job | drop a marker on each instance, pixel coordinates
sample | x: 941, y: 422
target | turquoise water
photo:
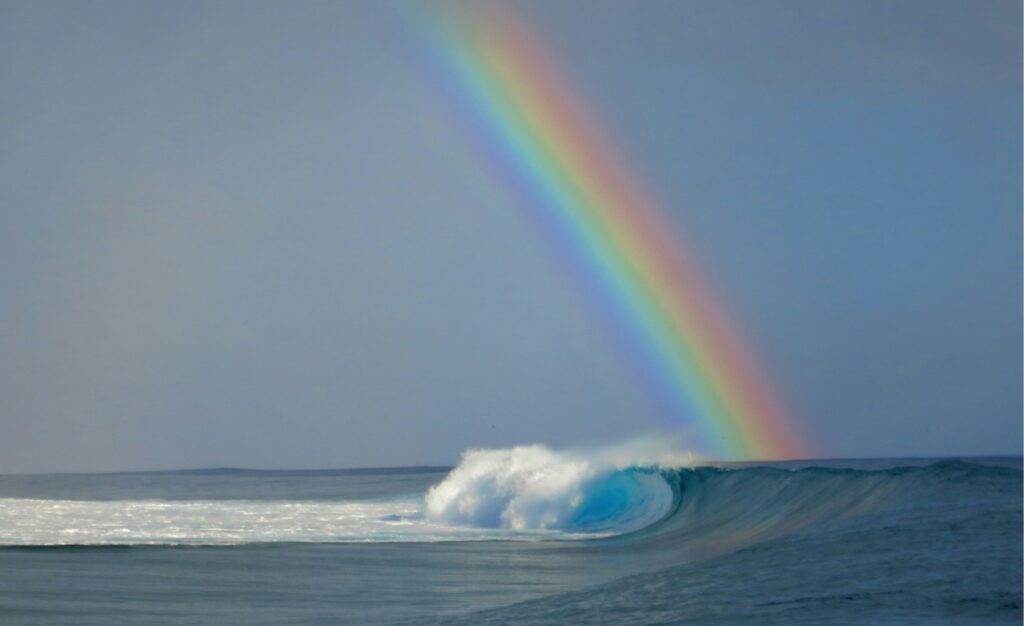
x: 523, y: 536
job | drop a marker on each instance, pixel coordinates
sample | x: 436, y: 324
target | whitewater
x: 526, y: 534
x: 523, y: 493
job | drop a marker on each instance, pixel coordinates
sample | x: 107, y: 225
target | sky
x: 254, y: 234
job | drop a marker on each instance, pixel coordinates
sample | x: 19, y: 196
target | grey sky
x: 252, y: 234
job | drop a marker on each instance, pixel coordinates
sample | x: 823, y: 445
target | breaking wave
x: 534, y: 487
x: 618, y: 497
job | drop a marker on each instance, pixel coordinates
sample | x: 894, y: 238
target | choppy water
x: 525, y: 535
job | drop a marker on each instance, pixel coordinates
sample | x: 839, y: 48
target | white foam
x: 216, y: 522
x: 533, y: 487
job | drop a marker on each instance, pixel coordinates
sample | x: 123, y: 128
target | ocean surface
x: 523, y: 535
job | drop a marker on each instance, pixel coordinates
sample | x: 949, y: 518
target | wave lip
x: 534, y: 488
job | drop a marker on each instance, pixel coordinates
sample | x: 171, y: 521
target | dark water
x: 837, y: 542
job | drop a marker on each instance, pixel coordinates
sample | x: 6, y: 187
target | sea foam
x: 534, y: 487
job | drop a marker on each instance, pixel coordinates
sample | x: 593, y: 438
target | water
x: 524, y: 535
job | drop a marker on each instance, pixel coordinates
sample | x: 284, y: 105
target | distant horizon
x: 428, y: 468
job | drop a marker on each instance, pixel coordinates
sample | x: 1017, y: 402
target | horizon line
x: 427, y: 468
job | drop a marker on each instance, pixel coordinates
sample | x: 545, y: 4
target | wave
x: 655, y: 504
x: 616, y: 499
x: 725, y: 509
x: 533, y: 487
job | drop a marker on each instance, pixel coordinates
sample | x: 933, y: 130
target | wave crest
x: 533, y: 487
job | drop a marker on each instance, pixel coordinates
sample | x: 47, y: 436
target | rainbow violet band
x: 549, y: 148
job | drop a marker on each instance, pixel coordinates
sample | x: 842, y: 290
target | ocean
x: 523, y: 535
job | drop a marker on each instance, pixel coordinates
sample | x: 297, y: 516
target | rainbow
x: 548, y: 147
